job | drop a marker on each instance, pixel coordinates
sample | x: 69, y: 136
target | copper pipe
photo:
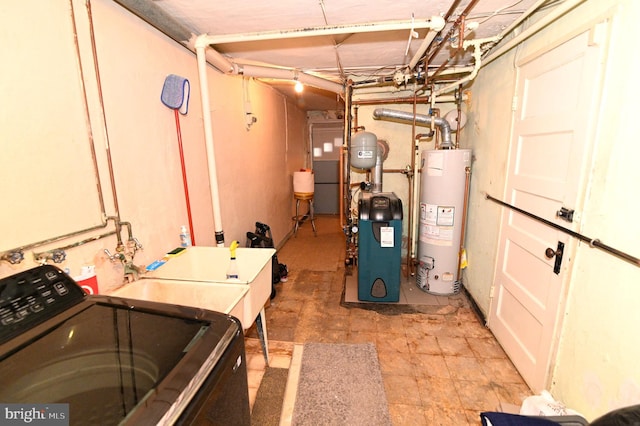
x: 453, y: 28
x: 355, y: 116
x: 411, y: 195
x: 344, y: 180
x: 459, y: 107
x: 407, y: 100
x: 341, y: 184
x: 87, y: 115
x: 447, y: 15
x: 460, y: 24
x: 96, y: 67
x: 465, y: 205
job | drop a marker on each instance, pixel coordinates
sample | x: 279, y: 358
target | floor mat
x: 340, y: 384
x: 267, y: 407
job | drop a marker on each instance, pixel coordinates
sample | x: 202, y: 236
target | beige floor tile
x: 438, y: 391
x: 454, y: 346
x: 278, y: 361
x: 396, y: 363
x: 512, y: 393
x: 501, y: 370
x: 392, y: 343
x: 473, y: 417
x: 362, y: 323
x: 465, y: 368
x: 476, y: 396
x: 486, y: 347
x: 334, y: 336
x: 401, y: 389
x: 430, y: 366
x: 423, y: 344
x: 391, y: 324
x: 333, y: 321
x: 403, y: 414
x: 255, y: 361
x: 446, y: 415
x: 361, y: 337
x: 286, y: 334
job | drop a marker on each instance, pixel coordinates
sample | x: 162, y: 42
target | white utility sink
x: 219, y: 297
x: 209, y: 264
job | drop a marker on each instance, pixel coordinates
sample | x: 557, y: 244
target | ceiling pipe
x: 323, y: 31
x: 258, y: 71
x: 452, y: 30
x: 418, y: 119
x: 228, y: 67
x: 438, y: 25
x: 409, y: 100
x: 477, y: 58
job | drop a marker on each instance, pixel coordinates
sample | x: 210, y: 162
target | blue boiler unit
x: 379, y: 244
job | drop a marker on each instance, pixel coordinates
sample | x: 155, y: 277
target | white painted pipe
x: 226, y: 66
x: 416, y: 197
x: 324, y: 31
x: 477, y: 63
x: 437, y: 24
x: 208, y: 137
x: 289, y: 74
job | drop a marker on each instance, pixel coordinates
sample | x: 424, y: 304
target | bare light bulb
x: 299, y: 87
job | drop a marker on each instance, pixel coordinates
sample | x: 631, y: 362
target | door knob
x: 558, y: 252
x: 549, y: 252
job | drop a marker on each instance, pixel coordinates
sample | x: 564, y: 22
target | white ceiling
x: 363, y: 57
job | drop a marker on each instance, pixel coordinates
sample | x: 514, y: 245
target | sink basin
x: 220, y: 297
x: 209, y: 264
x: 206, y: 266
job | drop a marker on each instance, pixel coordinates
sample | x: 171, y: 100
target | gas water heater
x: 442, y: 195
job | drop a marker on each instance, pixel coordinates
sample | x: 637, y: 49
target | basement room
x: 319, y: 212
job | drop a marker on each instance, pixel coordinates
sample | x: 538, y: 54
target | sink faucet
x: 132, y: 272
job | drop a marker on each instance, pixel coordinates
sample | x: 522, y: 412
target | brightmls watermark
x: 34, y: 414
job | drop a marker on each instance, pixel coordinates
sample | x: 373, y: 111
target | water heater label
x: 436, y: 235
x: 365, y: 154
x: 445, y: 215
x: 428, y: 213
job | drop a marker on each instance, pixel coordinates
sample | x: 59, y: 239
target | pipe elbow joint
x: 202, y: 41
x: 437, y: 23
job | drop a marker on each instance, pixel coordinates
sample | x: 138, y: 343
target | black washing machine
x: 114, y: 361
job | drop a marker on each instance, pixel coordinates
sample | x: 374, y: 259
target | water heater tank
x: 442, y: 193
x: 364, y: 146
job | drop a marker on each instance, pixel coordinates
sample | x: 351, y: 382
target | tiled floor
x: 440, y: 365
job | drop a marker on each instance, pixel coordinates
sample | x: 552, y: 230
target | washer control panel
x: 30, y: 297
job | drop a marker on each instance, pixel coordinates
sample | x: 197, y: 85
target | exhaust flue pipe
x: 420, y: 119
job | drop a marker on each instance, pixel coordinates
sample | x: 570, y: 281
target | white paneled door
x: 554, y: 120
